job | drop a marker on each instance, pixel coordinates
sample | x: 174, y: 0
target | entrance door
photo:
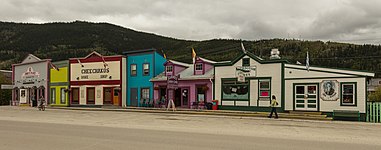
x: 185, y: 97
x: 23, y: 96
x: 90, y: 95
x: 134, y: 97
x: 74, y: 95
x: 306, y: 97
x: 116, y: 97
x: 177, y: 98
x: 107, y: 95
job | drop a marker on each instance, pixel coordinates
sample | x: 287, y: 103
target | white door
x: 306, y: 97
x: 23, y: 96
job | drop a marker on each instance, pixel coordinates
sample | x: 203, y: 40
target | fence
x: 373, y: 112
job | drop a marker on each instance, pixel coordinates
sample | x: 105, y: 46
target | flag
x: 193, y: 56
x: 307, y: 62
x: 80, y: 62
x: 165, y: 56
x: 243, y: 48
x: 104, y: 62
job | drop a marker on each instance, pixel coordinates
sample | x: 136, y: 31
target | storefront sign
x: 242, y: 72
x: 329, y: 90
x: 30, y: 73
x: 95, y: 71
x: 172, y: 82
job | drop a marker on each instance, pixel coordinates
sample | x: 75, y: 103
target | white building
x: 248, y: 82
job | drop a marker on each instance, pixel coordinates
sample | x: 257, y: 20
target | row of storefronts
x: 145, y: 77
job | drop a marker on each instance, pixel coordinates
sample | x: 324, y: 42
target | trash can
x: 215, y: 104
x: 209, y: 106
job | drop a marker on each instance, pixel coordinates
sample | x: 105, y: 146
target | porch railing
x: 373, y: 112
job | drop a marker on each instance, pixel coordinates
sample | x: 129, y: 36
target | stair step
x: 305, y: 112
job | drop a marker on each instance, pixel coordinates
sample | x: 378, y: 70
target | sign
x: 30, y: 73
x: 6, y: 87
x: 329, y: 90
x: 241, y: 72
x: 93, y: 71
x: 172, y: 82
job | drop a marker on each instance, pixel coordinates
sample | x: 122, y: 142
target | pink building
x: 195, y: 82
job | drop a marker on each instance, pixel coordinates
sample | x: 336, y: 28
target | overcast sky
x: 354, y: 21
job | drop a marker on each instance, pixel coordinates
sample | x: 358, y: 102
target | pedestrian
x: 274, y: 103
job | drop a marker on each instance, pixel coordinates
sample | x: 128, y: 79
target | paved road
x: 24, y: 128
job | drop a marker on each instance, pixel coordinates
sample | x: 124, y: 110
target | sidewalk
x: 201, y: 112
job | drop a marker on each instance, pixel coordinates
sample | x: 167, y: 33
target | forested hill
x: 61, y: 41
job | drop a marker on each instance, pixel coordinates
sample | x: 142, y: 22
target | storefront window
x: 133, y: 69
x: 348, y: 95
x: 63, y: 96
x: 53, y: 95
x: 201, y: 90
x: 264, y: 88
x: 145, y: 93
x: 234, y: 90
x: 145, y: 69
x: 199, y: 67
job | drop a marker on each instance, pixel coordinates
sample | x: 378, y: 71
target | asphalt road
x: 90, y: 131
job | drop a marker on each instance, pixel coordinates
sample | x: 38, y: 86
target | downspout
x: 210, y: 79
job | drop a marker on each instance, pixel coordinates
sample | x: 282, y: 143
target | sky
x: 350, y: 21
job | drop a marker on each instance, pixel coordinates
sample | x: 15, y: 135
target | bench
x: 347, y: 114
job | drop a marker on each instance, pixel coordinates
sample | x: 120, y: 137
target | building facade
x: 97, y: 80
x: 194, y: 83
x: 30, y: 80
x: 59, y: 83
x: 142, y: 65
x: 248, y: 82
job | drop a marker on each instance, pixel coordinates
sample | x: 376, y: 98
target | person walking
x: 274, y: 103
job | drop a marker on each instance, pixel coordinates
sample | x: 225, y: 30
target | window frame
x: 354, y: 84
x: 199, y: 65
x: 62, y: 93
x: 234, y: 82
x: 245, y: 59
x: 53, y: 94
x: 166, y: 69
x: 141, y: 93
x: 144, y: 74
x: 260, y: 89
x: 136, y: 70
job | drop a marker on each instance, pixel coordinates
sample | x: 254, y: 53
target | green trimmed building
x: 248, y: 82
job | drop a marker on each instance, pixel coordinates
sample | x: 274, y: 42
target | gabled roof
x: 187, y: 74
x: 256, y: 58
x: 178, y: 63
x: 331, y: 70
x: 207, y: 60
x: 93, y: 53
x: 31, y: 58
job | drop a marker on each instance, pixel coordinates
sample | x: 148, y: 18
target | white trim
x: 331, y: 70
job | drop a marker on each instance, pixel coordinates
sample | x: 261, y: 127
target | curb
x: 202, y: 112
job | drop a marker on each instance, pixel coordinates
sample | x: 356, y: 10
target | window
x: 201, y: 96
x: 145, y: 93
x: 168, y: 68
x: 133, y: 69
x: 53, y: 95
x: 145, y: 69
x: 63, y: 96
x: 233, y: 90
x: 348, y: 94
x: 264, y: 88
x: 199, y: 67
x: 246, y: 62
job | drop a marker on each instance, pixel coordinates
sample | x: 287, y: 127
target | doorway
x: 134, y: 97
x: 177, y: 98
x: 90, y: 96
x: 306, y: 97
x: 74, y: 95
x: 116, y: 96
x: 185, y: 97
x: 107, y: 95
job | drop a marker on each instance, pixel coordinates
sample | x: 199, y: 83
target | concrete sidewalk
x: 303, y: 116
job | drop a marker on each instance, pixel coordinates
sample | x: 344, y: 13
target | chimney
x: 274, y: 54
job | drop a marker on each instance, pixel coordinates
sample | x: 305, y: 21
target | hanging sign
x: 241, y: 72
x: 329, y: 90
x: 172, y: 82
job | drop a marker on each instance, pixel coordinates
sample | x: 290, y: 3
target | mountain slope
x: 60, y: 41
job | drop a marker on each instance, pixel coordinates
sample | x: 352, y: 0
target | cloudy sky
x: 354, y: 21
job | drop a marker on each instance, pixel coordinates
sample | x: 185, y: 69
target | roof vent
x: 275, y: 54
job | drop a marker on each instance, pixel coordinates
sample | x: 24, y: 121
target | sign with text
x: 241, y: 72
x: 172, y: 82
x: 95, y: 71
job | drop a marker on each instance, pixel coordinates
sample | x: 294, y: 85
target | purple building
x: 194, y: 82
